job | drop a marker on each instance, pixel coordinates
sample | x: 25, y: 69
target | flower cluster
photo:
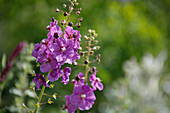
x: 59, y: 48
x: 62, y: 47
x: 83, y: 95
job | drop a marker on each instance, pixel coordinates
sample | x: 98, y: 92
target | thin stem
x: 40, y: 97
x: 87, y: 59
x: 78, y: 111
x: 70, y: 10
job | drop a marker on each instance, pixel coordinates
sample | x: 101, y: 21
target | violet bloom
x: 55, y: 74
x: 36, y: 49
x: 73, y: 35
x: 54, y: 30
x: 79, y: 79
x: 49, y: 62
x: 70, y: 108
x: 39, y: 79
x: 96, y: 82
x: 83, y: 96
x: 63, y: 50
x: 66, y: 74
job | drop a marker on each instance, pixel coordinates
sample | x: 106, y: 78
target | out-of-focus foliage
x: 125, y: 28
x: 17, y: 83
x: 144, y: 89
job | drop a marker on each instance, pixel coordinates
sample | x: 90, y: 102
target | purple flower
x: 63, y: 50
x: 70, y: 108
x: 36, y: 49
x: 79, y: 79
x: 73, y: 35
x: 96, y: 82
x: 55, y: 74
x: 66, y: 74
x: 49, y: 62
x: 54, y: 30
x: 83, y: 96
x: 39, y: 79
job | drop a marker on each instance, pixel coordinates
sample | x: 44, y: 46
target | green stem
x: 39, y: 99
x: 78, y: 111
x: 87, y: 59
x: 70, y: 10
x: 40, y: 96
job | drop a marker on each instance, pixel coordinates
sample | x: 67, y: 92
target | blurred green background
x: 125, y: 28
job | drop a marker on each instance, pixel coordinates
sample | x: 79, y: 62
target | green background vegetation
x: 125, y: 28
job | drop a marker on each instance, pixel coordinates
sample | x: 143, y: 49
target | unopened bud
x: 78, y: 25
x: 96, y: 41
x: 78, y: 12
x: 86, y: 37
x: 70, y: 24
x: 95, y: 35
x: 53, y: 19
x: 89, y: 30
x: 92, y: 38
x: 97, y: 47
x: 80, y: 9
x: 81, y: 19
x: 74, y: 1
x: 91, y: 52
x: 65, y: 13
x: 82, y: 53
x: 85, y: 62
x: 75, y: 63
x: 64, y: 5
x: 94, y: 69
x: 57, y: 10
x: 63, y: 22
x: 77, y: 3
x: 48, y: 28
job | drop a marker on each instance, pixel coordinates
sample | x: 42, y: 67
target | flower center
x: 63, y: 48
x: 83, y: 96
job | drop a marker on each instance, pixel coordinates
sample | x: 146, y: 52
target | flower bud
x: 91, y: 52
x: 75, y: 63
x: 96, y: 42
x: 92, y: 38
x: 74, y: 1
x: 70, y: 24
x: 64, y: 5
x: 63, y: 22
x: 77, y: 3
x: 86, y: 37
x: 80, y: 9
x: 82, y: 53
x: 65, y: 13
x: 81, y: 19
x: 85, y: 62
x: 89, y: 30
x: 78, y: 25
x: 53, y: 19
x: 78, y: 12
x: 57, y: 10
x: 48, y: 28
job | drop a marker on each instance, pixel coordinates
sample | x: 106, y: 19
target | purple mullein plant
x: 61, y: 47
